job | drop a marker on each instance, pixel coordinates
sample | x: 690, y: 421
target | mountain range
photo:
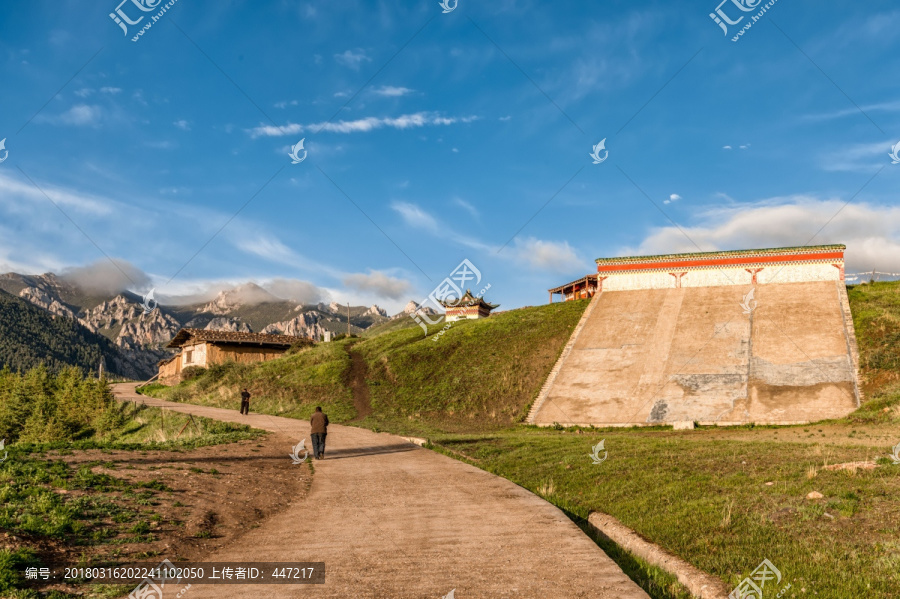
x: 138, y: 337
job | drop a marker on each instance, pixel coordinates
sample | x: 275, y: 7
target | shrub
x: 192, y: 372
x: 300, y: 345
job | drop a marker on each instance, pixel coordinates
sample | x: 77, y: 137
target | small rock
x: 886, y: 410
x: 769, y: 484
x: 814, y: 495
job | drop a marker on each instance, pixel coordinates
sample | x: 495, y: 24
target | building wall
x: 204, y: 354
x: 170, y: 372
x: 467, y: 312
x: 242, y: 353
x: 717, y: 276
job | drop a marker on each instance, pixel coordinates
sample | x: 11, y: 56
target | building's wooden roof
x: 585, y: 280
x: 786, y: 251
x: 469, y: 300
x: 191, y: 336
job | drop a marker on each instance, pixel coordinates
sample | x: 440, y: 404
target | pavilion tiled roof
x: 755, y: 253
x: 185, y: 336
x: 470, y: 300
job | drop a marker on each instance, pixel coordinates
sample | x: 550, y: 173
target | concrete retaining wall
x: 655, y: 356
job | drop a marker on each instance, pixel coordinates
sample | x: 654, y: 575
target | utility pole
x: 348, y: 319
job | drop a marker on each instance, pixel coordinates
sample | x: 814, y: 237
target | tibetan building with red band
x: 468, y: 307
x: 732, y: 337
x: 708, y: 269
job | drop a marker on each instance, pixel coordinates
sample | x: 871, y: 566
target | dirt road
x: 392, y: 520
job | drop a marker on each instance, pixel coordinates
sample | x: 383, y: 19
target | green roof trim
x: 725, y: 254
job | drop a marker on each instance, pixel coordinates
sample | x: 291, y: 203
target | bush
x: 192, y: 372
x: 300, y: 345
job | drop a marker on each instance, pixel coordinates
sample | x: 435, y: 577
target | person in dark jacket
x: 245, y: 402
x: 318, y: 429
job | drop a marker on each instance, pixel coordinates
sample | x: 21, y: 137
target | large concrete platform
x: 654, y: 356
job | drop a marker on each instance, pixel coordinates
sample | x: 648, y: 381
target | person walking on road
x: 318, y: 429
x: 245, y: 402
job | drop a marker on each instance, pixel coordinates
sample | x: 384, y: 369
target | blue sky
x: 434, y: 138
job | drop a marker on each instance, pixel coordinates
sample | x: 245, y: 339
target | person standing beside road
x: 318, y: 429
x: 245, y: 402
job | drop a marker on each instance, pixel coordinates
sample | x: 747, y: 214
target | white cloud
x: 352, y: 58
x: 110, y: 90
x: 415, y: 216
x: 726, y: 147
x: 183, y: 125
x: 268, y: 247
x: 12, y: 191
x: 880, y: 107
x: 505, y: 118
x: 364, y: 125
x: 84, y: 92
x: 467, y: 207
x: 672, y: 198
x: 107, y: 276
x: 859, y: 158
x: 285, y: 104
x: 380, y: 284
x: 547, y: 255
x: 392, y: 92
x: 78, y: 115
x: 871, y: 232
x: 296, y: 290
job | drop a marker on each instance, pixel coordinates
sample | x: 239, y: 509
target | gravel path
x: 393, y: 520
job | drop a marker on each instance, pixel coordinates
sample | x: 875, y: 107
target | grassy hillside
x: 30, y: 336
x: 876, y: 319
x: 476, y: 375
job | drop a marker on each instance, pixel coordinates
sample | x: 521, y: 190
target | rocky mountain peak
x: 375, y: 311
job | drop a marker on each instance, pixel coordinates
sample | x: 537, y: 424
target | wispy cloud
x: 268, y: 247
x: 352, y: 58
x: 672, y: 198
x: 392, y: 92
x: 467, y: 207
x: 183, y: 125
x: 364, y: 125
x: 868, y: 108
x: 415, y: 217
x: 858, y: 158
x: 79, y: 115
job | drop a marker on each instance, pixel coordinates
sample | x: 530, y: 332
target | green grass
x: 44, y: 499
x: 706, y: 500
